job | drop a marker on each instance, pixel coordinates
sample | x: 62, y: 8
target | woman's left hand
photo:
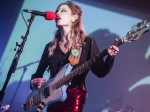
x: 113, y: 50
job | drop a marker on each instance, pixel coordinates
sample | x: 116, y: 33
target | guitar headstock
x: 137, y: 32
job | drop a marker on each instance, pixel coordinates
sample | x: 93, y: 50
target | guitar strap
x: 75, y: 54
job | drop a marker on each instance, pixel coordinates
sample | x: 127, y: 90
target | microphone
x: 49, y: 15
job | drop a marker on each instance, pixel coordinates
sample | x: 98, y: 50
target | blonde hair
x: 77, y: 32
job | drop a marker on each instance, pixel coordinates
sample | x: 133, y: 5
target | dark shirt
x: 59, y: 59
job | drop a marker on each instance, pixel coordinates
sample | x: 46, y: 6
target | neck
x: 65, y: 34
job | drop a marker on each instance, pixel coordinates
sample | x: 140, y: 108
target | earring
x: 73, y: 20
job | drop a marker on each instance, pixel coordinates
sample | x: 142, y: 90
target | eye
x: 63, y: 10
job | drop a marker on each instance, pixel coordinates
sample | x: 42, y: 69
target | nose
x: 58, y: 13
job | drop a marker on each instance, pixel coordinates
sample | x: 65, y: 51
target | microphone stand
x: 16, y: 59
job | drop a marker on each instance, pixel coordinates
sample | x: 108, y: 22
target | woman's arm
x: 100, y: 68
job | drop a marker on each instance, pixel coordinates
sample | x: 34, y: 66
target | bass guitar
x: 54, y: 90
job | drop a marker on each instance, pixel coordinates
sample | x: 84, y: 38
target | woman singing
x: 71, y: 45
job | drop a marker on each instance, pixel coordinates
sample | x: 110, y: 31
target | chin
x: 58, y: 26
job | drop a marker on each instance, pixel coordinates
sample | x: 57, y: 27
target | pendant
x: 74, y: 52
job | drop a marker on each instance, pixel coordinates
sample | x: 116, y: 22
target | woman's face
x: 63, y: 16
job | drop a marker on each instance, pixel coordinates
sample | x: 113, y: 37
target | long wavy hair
x: 77, y: 33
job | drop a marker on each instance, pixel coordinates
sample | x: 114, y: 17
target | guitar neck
x: 84, y: 66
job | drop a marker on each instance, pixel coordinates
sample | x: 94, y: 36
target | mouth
x: 58, y: 18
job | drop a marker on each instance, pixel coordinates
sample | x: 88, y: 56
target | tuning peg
x: 134, y: 26
x: 139, y: 24
x: 144, y: 22
x: 146, y: 25
x: 128, y: 33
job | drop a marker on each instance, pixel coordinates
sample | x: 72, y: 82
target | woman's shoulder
x: 48, y: 44
x: 88, y: 39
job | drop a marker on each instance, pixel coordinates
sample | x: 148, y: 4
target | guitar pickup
x: 46, y: 92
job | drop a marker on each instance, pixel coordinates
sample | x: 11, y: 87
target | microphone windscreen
x: 49, y: 15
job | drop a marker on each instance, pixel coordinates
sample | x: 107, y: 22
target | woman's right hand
x: 37, y: 82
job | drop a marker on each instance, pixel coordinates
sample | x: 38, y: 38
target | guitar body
x: 49, y: 93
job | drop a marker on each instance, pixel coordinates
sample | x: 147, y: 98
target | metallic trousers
x: 74, y: 102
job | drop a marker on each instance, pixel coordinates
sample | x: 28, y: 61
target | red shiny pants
x: 74, y: 103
